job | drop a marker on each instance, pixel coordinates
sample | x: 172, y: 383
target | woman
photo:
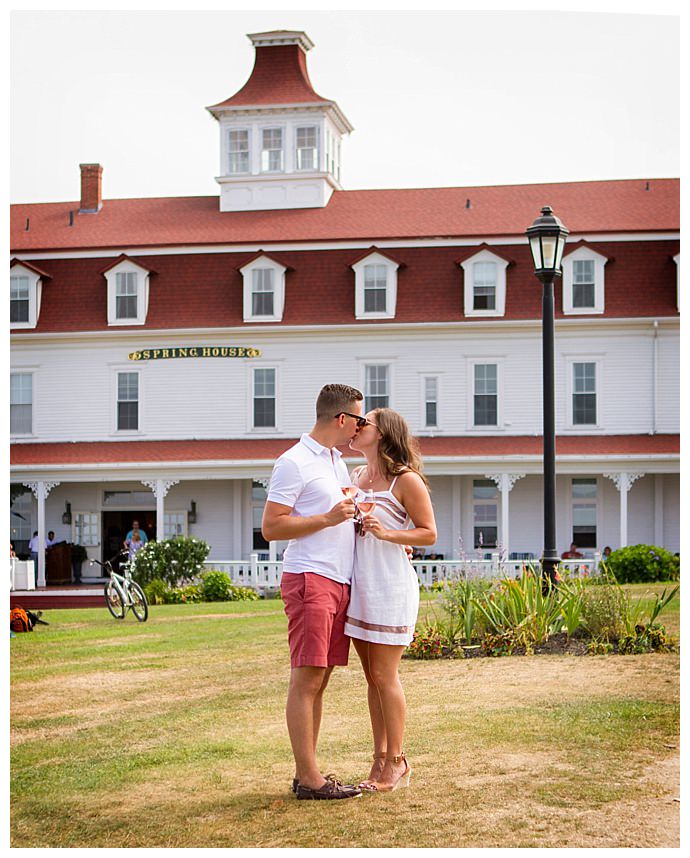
x: 384, y: 598
x: 133, y: 544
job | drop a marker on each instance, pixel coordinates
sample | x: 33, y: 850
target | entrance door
x: 116, y: 526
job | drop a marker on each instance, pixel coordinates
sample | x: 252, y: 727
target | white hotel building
x: 165, y: 351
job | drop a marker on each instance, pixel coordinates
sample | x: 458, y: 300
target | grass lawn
x: 171, y: 733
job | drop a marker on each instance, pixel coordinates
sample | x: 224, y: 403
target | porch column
x: 41, y: 489
x: 505, y: 483
x: 160, y: 489
x: 237, y: 515
x: 623, y: 482
x: 456, y: 513
x: 658, y: 509
x: 272, y: 546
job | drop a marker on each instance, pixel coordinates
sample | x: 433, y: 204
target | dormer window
x: 485, y: 284
x: 583, y: 281
x: 19, y: 298
x: 25, y: 294
x: 272, y: 150
x: 126, y: 295
x: 376, y: 286
x: 264, y: 290
x: 128, y: 291
x: 307, y: 156
x: 238, y: 140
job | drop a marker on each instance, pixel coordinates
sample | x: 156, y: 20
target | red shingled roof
x: 585, y: 207
x: 429, y: 287
x: 97, y: 452
x: 279, y: 76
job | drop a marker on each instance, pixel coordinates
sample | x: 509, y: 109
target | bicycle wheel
x: 115, y: 599
x: 139, y: 606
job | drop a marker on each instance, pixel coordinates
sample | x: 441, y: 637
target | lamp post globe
x: 547, y: 236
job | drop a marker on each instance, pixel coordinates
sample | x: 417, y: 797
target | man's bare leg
x: 304, y: 702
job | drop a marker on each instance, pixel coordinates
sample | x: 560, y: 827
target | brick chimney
x: 91, y: 200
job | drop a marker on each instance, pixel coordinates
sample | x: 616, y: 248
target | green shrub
x: 459, y: 601
x: 155, y: 591
x: 216, y: 586
x: 499, y: 644
x: 426, y: 643
x: 173, y: 560
x: 243, y: 594
x: 644, y: 563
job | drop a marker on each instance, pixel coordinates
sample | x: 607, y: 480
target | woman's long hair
x: 398, y: 449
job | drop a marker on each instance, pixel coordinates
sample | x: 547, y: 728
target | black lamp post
x: 547, y: 239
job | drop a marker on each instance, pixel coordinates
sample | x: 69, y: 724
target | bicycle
x: 122, y: 593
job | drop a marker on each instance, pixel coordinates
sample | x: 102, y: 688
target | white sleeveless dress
x: 384, y: 594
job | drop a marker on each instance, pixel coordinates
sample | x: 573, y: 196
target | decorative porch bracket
x: 623, y: 480
x: 505, y: 483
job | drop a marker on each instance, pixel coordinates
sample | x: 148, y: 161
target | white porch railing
x: 22, y: 574
x: 266, y: 573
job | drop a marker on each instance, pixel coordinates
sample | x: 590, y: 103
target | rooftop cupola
x: 280, y: 141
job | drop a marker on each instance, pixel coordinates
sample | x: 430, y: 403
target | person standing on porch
x: 136, y: 529
x: 306, y: 505
x: 33, y: 549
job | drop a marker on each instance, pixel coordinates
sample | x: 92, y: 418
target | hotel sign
x: 196, y: 352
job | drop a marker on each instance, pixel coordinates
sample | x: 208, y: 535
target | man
x: 51, y: 540
x: 142, y: 534
x: 306, y: 506
x: 33, y: 549
x: 573, y: 553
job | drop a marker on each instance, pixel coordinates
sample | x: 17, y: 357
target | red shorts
x: 316, y: 608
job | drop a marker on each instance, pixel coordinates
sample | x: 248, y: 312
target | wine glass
x: 367, y: 502
x: 349, y: 491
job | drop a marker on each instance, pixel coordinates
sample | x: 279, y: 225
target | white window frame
x: 35, y: 289
x: 389, y: 380
x: 485, y: 502
x: 391, y: 286
x: 283, y: 136
x: 114, y: 399
x: 278, y: 289
x: 32, y: 374
x: 424, y: 426
x: 596, y: 504
x: 94, y: 526
x: 229, y: 152
x: 471, y: 363
x: 262, y: 430
x: 178, y: 513
x: 128, y: 267
x: 570, y: 361
x: 468, y: 283
x: 302, y: 126
x: 599, y: 263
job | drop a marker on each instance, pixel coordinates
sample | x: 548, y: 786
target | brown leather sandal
x: 406, y: 775
x: 365, y: 784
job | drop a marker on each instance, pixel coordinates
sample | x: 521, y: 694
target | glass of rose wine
x: 367, y: 502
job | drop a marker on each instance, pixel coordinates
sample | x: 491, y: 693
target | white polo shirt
x: 308, y: 478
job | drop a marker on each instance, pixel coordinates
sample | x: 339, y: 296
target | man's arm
x: 279, y: 523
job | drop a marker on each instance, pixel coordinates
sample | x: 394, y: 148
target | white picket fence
x: 261, y: 574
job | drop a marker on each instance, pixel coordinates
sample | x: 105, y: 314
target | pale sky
x: 437, y: 98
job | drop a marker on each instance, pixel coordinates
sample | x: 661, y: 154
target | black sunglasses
x: 361, y: 421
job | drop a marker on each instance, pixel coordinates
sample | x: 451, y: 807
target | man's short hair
x: 333, y: 398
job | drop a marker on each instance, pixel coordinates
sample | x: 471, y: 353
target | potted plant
x: 79, y: 555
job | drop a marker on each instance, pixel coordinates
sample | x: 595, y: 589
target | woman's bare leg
x: 378, y: 727
x: 384, y: 661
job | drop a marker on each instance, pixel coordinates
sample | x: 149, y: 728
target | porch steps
x: 43, y: 598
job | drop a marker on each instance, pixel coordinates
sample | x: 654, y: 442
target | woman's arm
x: 414, y: 496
